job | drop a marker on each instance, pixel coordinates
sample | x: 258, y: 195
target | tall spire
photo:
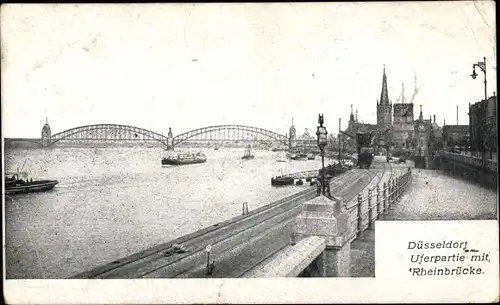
x: 402, y: 93
x: 384, y: 95
x: 356, y: 115
x: 351, y: 118
x: 292, y: 121
x: 46, y: 120
x: 421, y: 117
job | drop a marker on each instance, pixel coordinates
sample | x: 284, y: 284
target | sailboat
x: 248, y: 155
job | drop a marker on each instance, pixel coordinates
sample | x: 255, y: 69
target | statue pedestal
x: 326, y: 217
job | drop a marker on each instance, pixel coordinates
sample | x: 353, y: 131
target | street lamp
x: 210, y: 267
x: 341, y: 141
x: 322, y: 141
x: 481, y: 65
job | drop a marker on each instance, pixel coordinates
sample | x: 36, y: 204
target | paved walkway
x: 436, y: 196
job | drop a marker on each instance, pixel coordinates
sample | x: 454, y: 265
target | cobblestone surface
x: 436, y: 196
x: 363, y: 255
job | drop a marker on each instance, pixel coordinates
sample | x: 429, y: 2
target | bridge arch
x: 108, y: 132
x: 238, y: 132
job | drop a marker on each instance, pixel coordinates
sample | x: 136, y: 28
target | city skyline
x: 182, y: 66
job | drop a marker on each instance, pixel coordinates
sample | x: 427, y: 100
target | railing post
x: 389, y: 194
x: 384, y: 196
x: 378, y: 201
x: 370, y: 210
x: 398, y: 188
x: 392, y: 193
x: 360, y: 216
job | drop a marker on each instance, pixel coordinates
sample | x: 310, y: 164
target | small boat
x: 184, y: 159
x: 311, y: 157
x: 17, y: 185
x: 333, y: 170
x: 278, y: 181
x: 299, y: 156
x: 248, y: 155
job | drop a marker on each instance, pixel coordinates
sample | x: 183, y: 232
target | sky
x: 188, y: 66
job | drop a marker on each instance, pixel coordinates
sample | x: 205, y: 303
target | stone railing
x: 476, y: 161
x: 364, y: 210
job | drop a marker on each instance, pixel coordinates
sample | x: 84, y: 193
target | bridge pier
x: 170, y: 139
x: 326, y: 218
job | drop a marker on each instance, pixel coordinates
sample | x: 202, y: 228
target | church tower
x: 46, y: 134
x: 292, y: 137
x: 351, y: 127
x: 384, y: 107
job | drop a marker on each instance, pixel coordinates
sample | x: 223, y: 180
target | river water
x: 113, y: 202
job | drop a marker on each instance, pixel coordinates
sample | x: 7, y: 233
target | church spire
x: 421, y: 117
x: 351, y: 118
x: 384, y: 95
x: 402, y: 93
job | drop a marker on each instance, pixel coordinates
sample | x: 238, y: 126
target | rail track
x: 149, y: 261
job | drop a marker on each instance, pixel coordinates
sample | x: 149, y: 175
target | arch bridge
x: 130, y: 134
x: 240, y: 133
x: 108, y: 132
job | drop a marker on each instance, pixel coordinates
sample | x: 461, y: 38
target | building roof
x: 306, y: 136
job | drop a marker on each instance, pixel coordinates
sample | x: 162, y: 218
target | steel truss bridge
x: 240, y: 133
x: 130, y: 134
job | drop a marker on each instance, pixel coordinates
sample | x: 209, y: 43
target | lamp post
x: 209, y: 267
x: 481, y: 65
x: 340, y: 141
x: 322, y: 141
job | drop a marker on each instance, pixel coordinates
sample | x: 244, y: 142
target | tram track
x: 149, y: 261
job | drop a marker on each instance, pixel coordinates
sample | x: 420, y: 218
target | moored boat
x: 277, y: 181
x: 17, y: 185
x: 184, y: 159
x: 311, y: 157
x: 299, y: 156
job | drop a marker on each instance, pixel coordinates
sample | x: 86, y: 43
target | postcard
x: 250, y: 152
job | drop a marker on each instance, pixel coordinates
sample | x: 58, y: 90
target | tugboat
x: 17, y: 185
x: 248, y: 155
x: 184, y: 159
x: 279, y: 181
